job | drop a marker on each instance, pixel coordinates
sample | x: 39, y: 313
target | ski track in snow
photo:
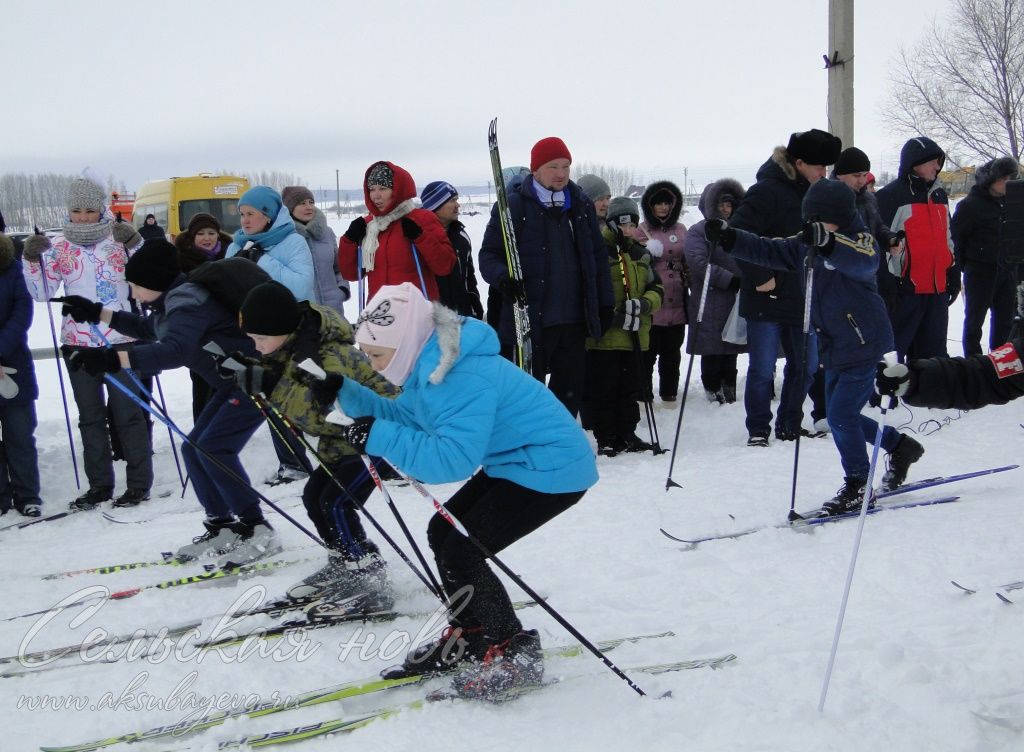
x: 916, y: 657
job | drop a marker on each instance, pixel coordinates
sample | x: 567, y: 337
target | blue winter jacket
x: 184, y: 319
x: 464, y: 407
x: 15, y: 319
x: 289, y: 261
x: 846, y: 311
x: 563, y: 257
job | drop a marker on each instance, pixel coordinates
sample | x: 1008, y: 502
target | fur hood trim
x: 648, y: 208
x: 780, y: 156
x: 709, y: 199
x: 448, y: 326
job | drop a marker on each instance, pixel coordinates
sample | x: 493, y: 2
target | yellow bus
x: 175, y: 201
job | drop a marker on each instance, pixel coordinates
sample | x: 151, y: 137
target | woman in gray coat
x: 718, y: 358
x: 329, y: 286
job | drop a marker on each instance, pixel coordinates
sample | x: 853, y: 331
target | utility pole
x: 337, y: 192
x: 839, y: 63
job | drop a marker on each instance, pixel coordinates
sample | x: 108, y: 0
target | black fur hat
x: 815, y: 147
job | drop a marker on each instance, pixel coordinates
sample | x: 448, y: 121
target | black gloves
x: 251, y: 251
x: 815, y: 235
x: 248, y: 374
x: 95, y: 360
x: 606, y: 315
x: 124, y: 233
x: 512, y: 289
x: 717, y: 231
x: 35, y: 246
x: 633, y: 309
x: 894, y: 380
x: 410, y: 229
x: 734, y: 284
x: 82, y: 310
x: 953, y: 283
x: 358, y: 433
x: 323, y: 391
x: 356, y: 230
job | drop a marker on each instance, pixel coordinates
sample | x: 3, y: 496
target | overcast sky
x: 146, y: 90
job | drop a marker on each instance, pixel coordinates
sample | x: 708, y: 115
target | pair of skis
x: 882, y: 503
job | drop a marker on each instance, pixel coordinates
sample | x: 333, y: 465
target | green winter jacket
x: 631, y: 269
x: 327, y: 338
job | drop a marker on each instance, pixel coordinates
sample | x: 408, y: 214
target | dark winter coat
x: 152, y: 231
x: 670, y: 264
x: 563, y: 258
x: 705, y: 338
x: 921, y: 210
x: 970, y: 383
x: 458, y: 289
x: 772, y: 208
x: 190, y: 257
x: 976, y: 228
x: 394, y: 260
x: 184, y: 319
x: 848, y: 315
x: 16, y: 309
x: 326, y: 338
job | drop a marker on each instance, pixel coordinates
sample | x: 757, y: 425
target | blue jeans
x: 846, y: 393
x: 225, y: 425
x: 763, y: 341
x: 19, y: 464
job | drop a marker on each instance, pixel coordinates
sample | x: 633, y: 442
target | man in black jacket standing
x: 771, y: 301
x: 458, y: 288
x: 990, y: 283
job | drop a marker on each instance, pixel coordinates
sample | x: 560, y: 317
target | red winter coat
x: 393, y: 261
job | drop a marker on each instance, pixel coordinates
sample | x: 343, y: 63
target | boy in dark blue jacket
x: 850, y: 320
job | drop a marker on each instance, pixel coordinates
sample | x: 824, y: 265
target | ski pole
x: 60, y: 372
x: 209, y: 457
x: 149, y: 396
x: 443, y: 512
x: 808, y: 290
x: 868, y: 496
x: 266, y: 405
x: 669, y: 483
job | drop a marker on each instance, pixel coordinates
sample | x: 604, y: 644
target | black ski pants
x: 498, y: 513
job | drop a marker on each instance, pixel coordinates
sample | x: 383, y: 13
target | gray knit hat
x: 594, y: 187
x: 622, y: 210
x: 85, y: 194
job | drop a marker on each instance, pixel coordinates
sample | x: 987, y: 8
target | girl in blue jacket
x: 466, y: 411
x: 850, y: 320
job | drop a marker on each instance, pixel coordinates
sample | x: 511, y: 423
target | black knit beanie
x: 154, y: 266
x: 852, y: 160
x: 271, y: 309
x: 830, y: 201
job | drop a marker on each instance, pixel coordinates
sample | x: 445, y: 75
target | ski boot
x: 847, y: 499
x: 456, y: 648
x: 633, y: 443
x: 906, y: 452
x: 506, y: 666
x: 91, y: 499
x: 219, y: 538
x: 132, y: 497
x: 255, y: 541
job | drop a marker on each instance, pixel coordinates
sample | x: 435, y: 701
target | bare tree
x: 619, y: 179
x: 273, y: 178
x: 963, y: 83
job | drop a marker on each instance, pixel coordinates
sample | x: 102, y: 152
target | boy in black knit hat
x: 852, y: 321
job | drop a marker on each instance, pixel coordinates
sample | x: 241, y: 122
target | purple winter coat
x: 705, y: 338
x: 671, y: 263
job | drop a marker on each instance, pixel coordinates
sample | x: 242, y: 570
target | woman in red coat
x: 395, y: 242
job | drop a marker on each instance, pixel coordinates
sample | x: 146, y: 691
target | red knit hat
x: 547, y: 150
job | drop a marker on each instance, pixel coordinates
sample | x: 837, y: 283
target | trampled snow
x: 916, y: 660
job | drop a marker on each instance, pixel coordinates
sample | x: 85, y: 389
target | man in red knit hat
x: 565, y: 269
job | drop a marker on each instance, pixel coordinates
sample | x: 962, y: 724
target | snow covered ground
x: 916, y: 658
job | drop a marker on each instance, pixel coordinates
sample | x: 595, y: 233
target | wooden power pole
x: 839, y: 62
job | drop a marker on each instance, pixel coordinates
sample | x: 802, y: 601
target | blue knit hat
x: 437, y: 194
x: 263, y: 199
x: 830, y: 201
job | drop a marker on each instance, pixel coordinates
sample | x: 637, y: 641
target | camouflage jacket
x: 327, y: 338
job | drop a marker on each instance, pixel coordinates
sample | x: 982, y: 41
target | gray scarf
x: 88, y: 234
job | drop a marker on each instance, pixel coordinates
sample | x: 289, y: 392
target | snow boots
x: 132, y: 497
x: 847, y: 499
x: 92, y: 498
x: 906, y: 452
x: 506, y: 666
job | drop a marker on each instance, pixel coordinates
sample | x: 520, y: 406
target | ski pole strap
x: 419, y: 270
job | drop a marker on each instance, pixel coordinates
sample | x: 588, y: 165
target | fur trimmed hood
x: 648, y: 208
x: 780, y: 156
x: 997, y: 169
x: 712, y: 193
x: 448, y: 327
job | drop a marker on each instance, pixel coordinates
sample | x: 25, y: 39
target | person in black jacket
x: 772, y: 301
x: 150, y: 229
x: 961, y: 383
x: 565, y: 270
x: 990, y: 284
x: 458, y: 288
